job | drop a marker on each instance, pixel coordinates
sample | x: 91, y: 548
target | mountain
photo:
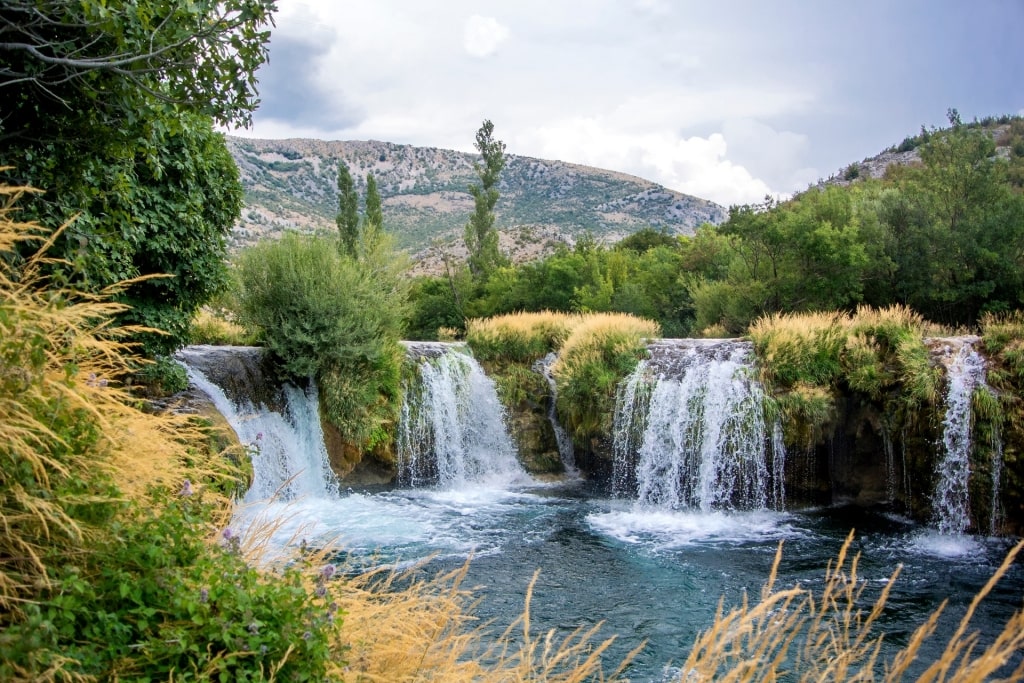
x: 292, y: 184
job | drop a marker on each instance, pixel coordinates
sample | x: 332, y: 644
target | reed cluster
x: 805, y: 358
x: 793, y: 634
x: 519, y: 337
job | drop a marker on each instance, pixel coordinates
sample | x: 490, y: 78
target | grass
x: 599, y: 353
x: 519, y: 337
x: 210, y: 328
x: 807, y: 358
x: 793, y: 634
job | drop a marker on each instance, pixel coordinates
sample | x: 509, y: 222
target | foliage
x: 878, y: 354
x: 519, y: 337
x: 600, y: 351
x: 158, y: 599
x: 217, y: 330
x: 348, y: 210
x: 481, y: 237
x: 374, y: 208
x: 325, y: 315
x: 109, y: 107
x: 129, y: 57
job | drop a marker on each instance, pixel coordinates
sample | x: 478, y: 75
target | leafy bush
x: 156, y: 598
x: 332, y: 317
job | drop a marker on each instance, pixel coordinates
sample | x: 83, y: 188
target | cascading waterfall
x: 287, y: 449
x: 452, y: 426
x: 690, y: 430
x: 562, y: 438
x: 950, y: 502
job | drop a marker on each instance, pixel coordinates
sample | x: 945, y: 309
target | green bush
x: 157, y: 599
x: 331, y: 317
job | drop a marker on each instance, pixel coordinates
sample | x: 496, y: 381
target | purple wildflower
x: 204, y: 594
x: 327, y: 571
x: 186, y: 489
x: 228, y: 534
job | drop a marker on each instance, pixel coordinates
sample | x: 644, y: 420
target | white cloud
x: 694, y: 165
x: 483, y: 35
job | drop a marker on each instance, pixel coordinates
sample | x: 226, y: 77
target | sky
x: 728, y: 100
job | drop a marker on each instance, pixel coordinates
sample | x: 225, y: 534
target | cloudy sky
x: 727, y: 100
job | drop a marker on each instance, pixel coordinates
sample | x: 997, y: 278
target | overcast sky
x: 725, y: 100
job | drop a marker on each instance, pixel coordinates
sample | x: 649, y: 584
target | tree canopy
x: 109, y: 107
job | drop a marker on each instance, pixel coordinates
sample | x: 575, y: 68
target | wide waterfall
x: 691, y: 433
x: 965, y: 372
x: 452, y: 427
x: 286, y: 446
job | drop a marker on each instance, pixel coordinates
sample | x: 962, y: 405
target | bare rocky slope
x: 292, y: 184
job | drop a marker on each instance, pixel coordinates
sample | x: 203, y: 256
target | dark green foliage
x: 348, y: 210
x: 328, y: 316
x: 480, y: 235
x: 157, y: 599
x: 111, y: 114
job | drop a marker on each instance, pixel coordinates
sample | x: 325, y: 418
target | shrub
x: 332, y: 317
x: 210, y: 328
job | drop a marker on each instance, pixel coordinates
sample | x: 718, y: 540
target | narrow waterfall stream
x: 690, y: 431
x: 652, y: 571
x: 965, y: 372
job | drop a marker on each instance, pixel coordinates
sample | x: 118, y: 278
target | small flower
x: 228, y: 534
x: 321, y: 591
x: 307, y: 635
x: 332, y: 608
x: 254, y: 628
x: 327, y: 571
x: 186, y: 489
x: 263, y: 650
x: 204, y: 594
x: 259, y: 436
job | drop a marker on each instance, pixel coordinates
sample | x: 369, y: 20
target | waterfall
x: 452, y: 431
x: 950, y: 502
x: 562, y: 438
x: 690, y: 430
x: 289, y: 459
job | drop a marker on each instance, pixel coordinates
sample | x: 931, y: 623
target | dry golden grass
x: 605, y: 334
x: 64, y: 414
x: 795, y: 635
x: 209, y: 328
x: 521, y: 337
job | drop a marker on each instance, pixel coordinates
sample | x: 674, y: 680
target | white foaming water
x: 667, y: 529
x: 690, y: 431
x: 950, y: 502
x: 452, y: 428
x: 287, y: 449
x: 943, y: 544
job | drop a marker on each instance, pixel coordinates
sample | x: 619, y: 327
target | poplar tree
x: 374, y: 209
x: 348, y: 211
x: 481, y: 237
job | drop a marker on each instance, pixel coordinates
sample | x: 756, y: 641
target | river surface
x: 649, y: 575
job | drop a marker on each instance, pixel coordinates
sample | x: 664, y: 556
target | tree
x: 128, y: 57
x: 348, y: 211
x: 374, y: 209
x: 109, y: 107
x: 481, y: 237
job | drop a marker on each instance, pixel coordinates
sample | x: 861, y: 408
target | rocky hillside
x: 1003, y: 129
x: 293, y: 184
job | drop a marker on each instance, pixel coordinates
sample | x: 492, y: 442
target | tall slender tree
x: 348, y: 211
x: 374, y: 208
x: 481, y: 237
